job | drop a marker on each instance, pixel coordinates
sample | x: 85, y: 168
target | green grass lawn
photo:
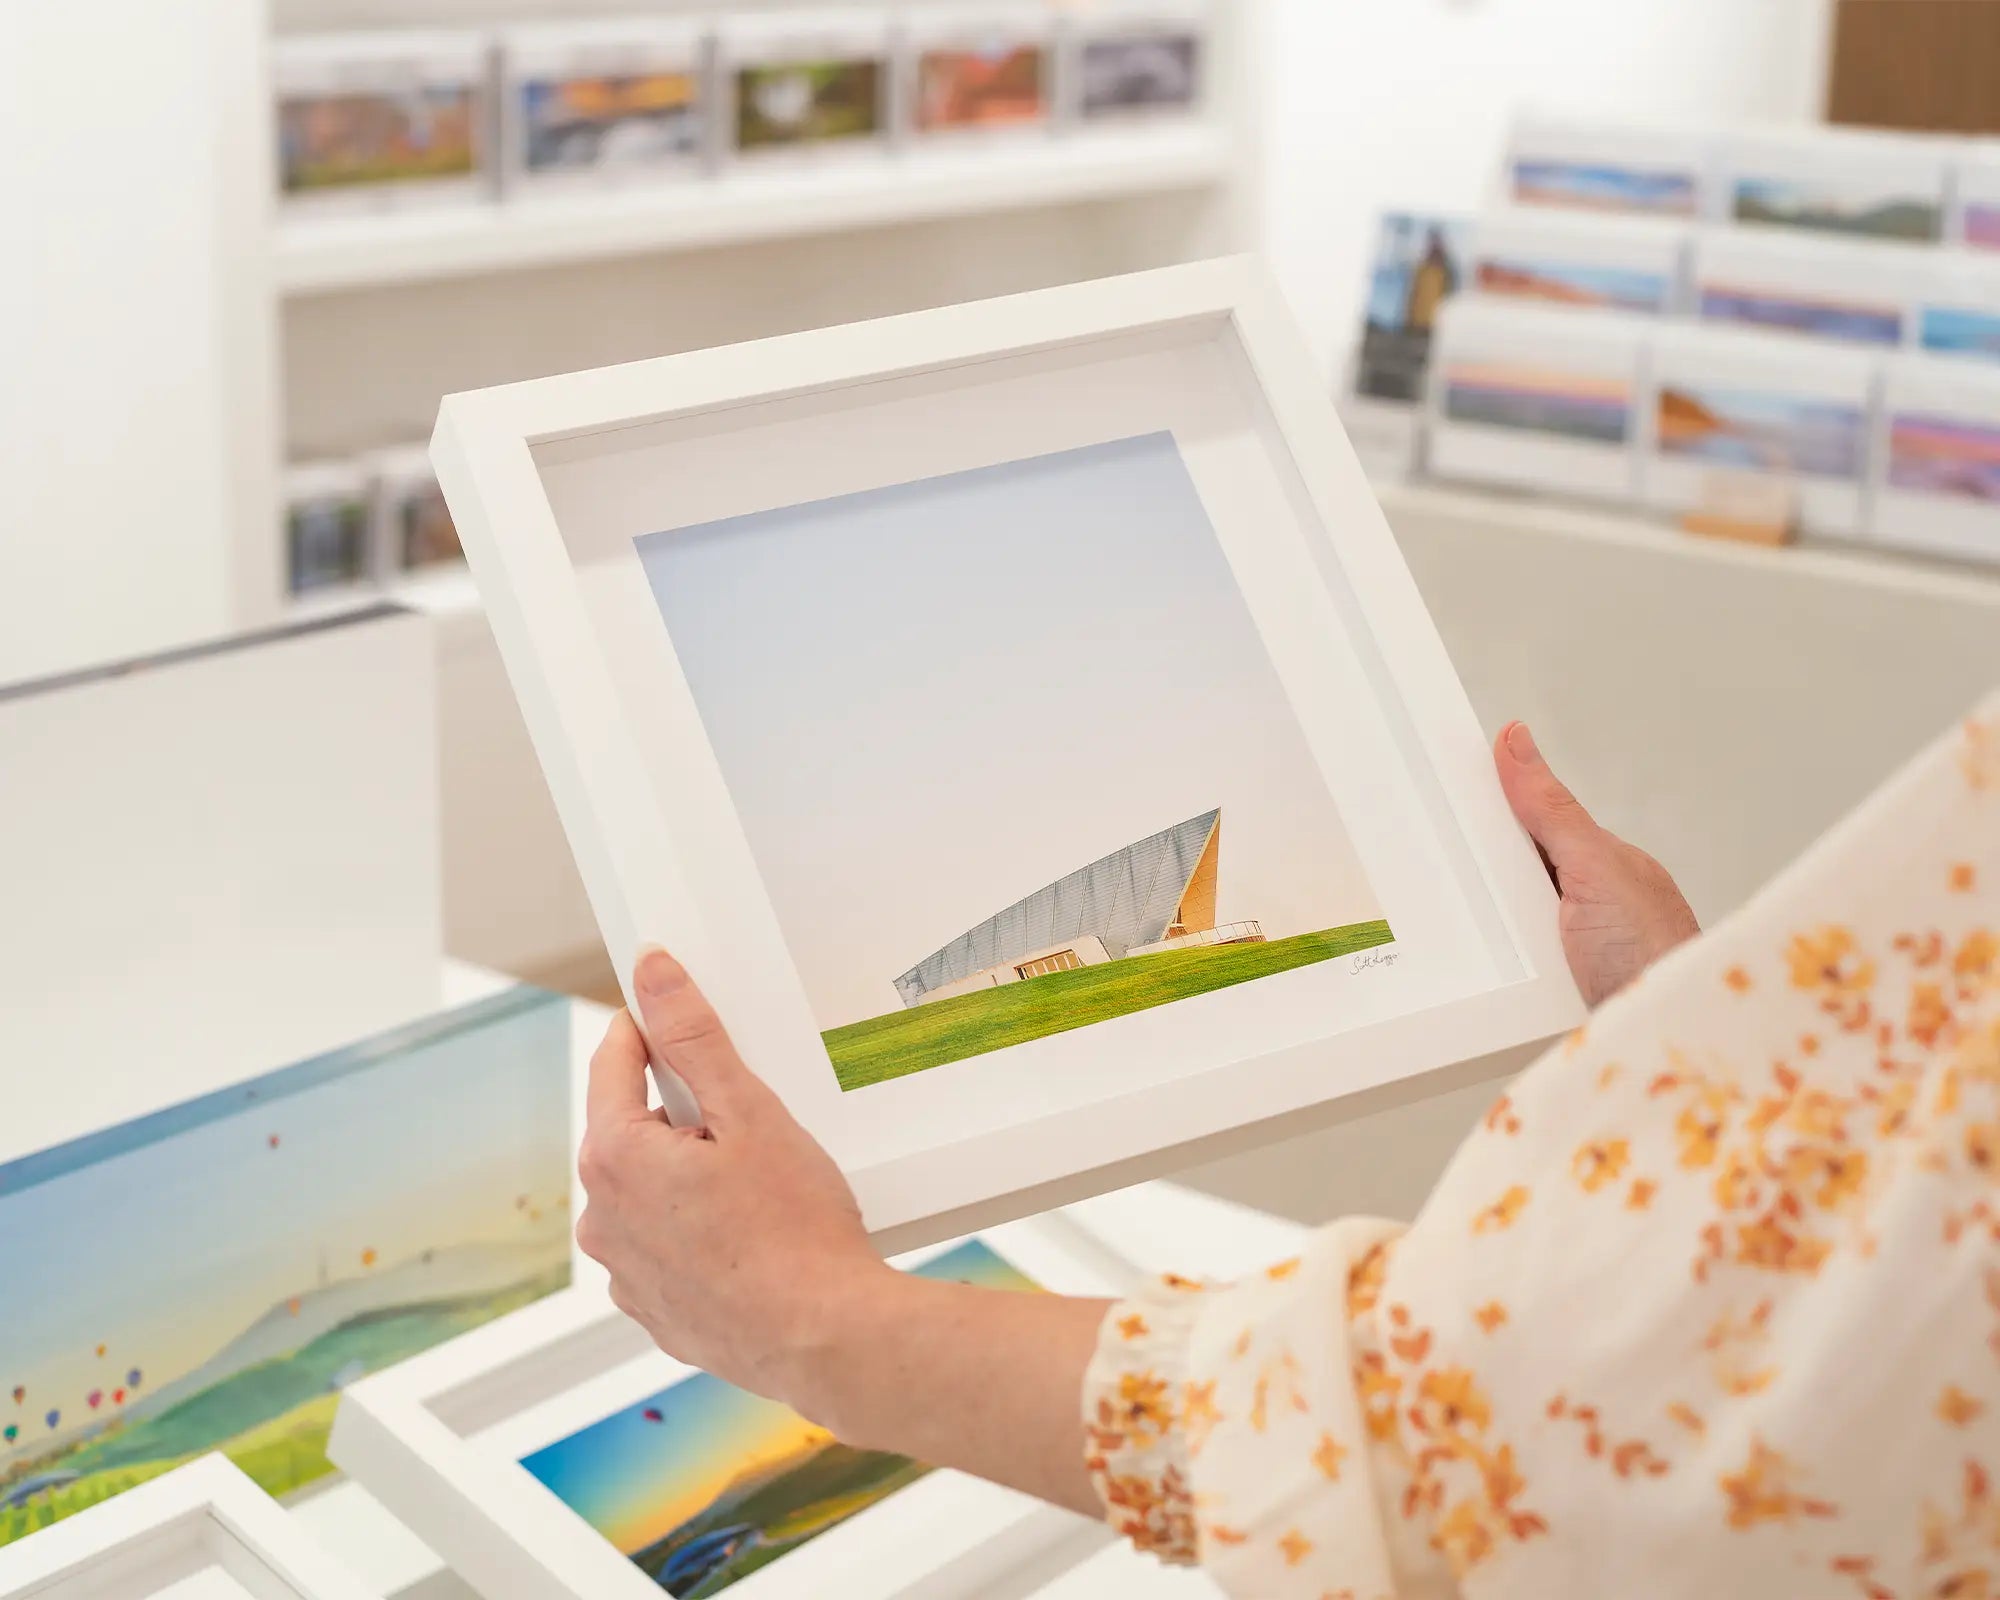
x: 904, y: 1042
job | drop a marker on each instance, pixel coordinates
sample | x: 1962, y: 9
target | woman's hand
x: 741, y: 1250
x: 735, y: 1248
x: 1621, y: 910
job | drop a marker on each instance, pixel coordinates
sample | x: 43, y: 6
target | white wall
x: 132, y: 323
x: 1381, y: 104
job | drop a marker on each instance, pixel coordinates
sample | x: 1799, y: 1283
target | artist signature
x: 1374, y: 958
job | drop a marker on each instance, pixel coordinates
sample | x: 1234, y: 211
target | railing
x: 1228, y: 933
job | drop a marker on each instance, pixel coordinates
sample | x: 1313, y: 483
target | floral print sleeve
x: 1709, y: 1303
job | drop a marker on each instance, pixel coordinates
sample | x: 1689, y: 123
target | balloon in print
x: 52, y: 1419
x: 652, y: 1414
x: 100, y: 1352
x: 117, y: 1397
x: 20, y: 1394
x: 94, y: 1399
x: 11, y: 1432
x: 132, y: 1379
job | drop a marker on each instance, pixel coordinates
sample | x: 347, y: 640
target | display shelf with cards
x: 322, y: 254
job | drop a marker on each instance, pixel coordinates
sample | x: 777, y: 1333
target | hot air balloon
x: 20, y: 1394
x: 100, y: 1352
x: 274, y: 1141
x: 11, y: 1432
x: 653, y: 1414
x: 132, y: 1379
x: 368, y: 1257
x: 52, y: 1419
x: 94, y: 1399
x: 117, y: 1397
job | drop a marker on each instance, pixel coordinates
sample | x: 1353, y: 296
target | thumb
x: 686, y: 1036
x: 1555, y: 818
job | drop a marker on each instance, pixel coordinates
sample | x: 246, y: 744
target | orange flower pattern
x: 1719, y: 1275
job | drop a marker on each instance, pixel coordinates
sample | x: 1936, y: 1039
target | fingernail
x: 657, y: 971
x: 1521, y: 743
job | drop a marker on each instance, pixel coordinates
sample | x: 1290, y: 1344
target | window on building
x: 1042, y: 966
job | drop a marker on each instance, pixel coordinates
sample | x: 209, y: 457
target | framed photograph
x: 1730, y: 405
x: 317, y: 1229
x: 372, y: 120
x: 1526, y: 397
x: 1600, y: 168
x: 328, y: 526
x: 1976, y: 187
x: 1959, y: 310
x: 807, y: 82
x: 1420, y: 263
x: 1863, y: 294
x: 1581, y: 263
x: 817, y: 718
x: 558, y: 1455
x: 1938, y: 451
x: 598, y: 104
x: 1139, y: 59
x: 413, y: 526
x: 1869, y: 185
x: 202, y: 1529
x: 980, y: 69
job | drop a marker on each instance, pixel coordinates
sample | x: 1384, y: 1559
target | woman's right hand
x: 1621, y: 910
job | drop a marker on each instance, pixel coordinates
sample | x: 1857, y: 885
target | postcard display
x: 682, y: 566
x: 559, y: 1455
x: 202, y: 1530
x: 1938, y: 458
x: 374, y: 121
x: 977, y: 70
x: 603, y: 104
x: 805, y: 85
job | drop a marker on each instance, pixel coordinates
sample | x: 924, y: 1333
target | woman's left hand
x: 735, y: 1247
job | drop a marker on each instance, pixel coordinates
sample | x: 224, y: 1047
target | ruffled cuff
x: 1140, y: 1401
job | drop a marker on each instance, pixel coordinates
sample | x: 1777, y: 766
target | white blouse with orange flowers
x: 1709, y: 1306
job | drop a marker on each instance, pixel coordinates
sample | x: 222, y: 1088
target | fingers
x: 1555, y: 818
x: 616, y: 1093
x: 688, y: 1036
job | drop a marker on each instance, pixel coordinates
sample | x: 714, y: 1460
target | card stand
x: 773, y: 116
x: 1138, y: 61
x: 1637, y: 264
x: 1523, y: 397
x: 327, y: 85
x: 440, y: 1441
x: 201, y: 1532
x: 1958, y: 310
x: 1823, y: 288
x: 1838, y: 183
x: 655, y: 123
x: 413, y: 530
x: 1975, y: 213
x: 330, y: 554
x: 975, y: 73
x: 1937, y: 460
x: 1733, y: 408
x: 1555, y: 163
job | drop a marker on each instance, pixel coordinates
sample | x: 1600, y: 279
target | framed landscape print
x: 1030, y: 700
x: 1939, y: 459
x: 202, y: 1530
x: 1529, y: 397
x: 806, y: 83
x: 1862, y: 185
x: 979, y: 69
x: 1630, y: 264
x: 316, y: 1230
x: 594, y: 104
x: 1607, y: 168
x: 1733, y: 404
x: 1825, y: 289
x: 559, y: 1456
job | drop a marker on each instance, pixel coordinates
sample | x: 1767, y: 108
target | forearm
x: 981, y: 1380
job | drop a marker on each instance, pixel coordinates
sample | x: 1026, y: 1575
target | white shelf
x: 322, y: 255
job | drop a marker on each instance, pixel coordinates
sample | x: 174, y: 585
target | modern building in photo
x: 1155, y: 895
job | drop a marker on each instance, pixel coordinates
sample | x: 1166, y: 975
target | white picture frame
x: 1560, y: 163
x: 554, y: 481
x: 975, y: 26
x: 1634, y: 265
x: 1096, y: 99
x: 1937, y: 438
x: 440, y: 1441
x: 602, y: 48
x: 1975, y: 211
x: 441, y: 65
x: 1529, y: 397
x: 203, y: 1528
x: 748, y: 41
x: 1721, y: 398
x: 1843, y: 183
x: 1809, y: 286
